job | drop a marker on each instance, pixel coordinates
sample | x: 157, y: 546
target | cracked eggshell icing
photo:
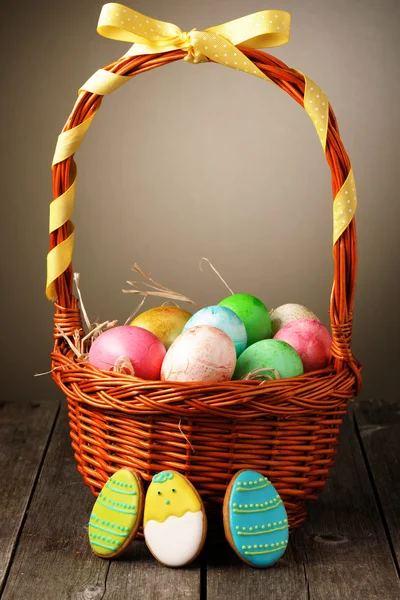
x: 223, y: 318
x: 200, y: 354
x: 287, y: 313
x: 253, y: 313
x: 116, y: 514
x: 174, y: 523
x: 144, y: 350
x: 311, y: 339
x: 166, y: 322
x: 270, y: 354
x: 255, y: 519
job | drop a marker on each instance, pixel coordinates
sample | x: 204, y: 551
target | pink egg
x: 141, y: 347
x: 311, y: 339
x: 201, y: 353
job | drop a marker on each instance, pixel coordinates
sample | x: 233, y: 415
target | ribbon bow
x: 264, y: 29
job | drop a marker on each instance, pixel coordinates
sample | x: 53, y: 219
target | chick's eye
x: 173, y: 489
x: 159, y: 493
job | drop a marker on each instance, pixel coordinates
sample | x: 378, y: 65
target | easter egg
x: 269, y: 354
x: 223, y: 318
x: 200, y: 354
x: 143, y: 349
x: 311, y: 339
x: 255, y: 519
x: 116, y: 514
x: 286, y: 313
x: 166, y: 322
x: 253, y: 313
x: 174, y: 523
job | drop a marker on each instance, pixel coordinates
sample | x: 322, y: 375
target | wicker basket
x: 286, y: 429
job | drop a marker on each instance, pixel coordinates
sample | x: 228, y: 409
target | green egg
x: 254, y: 315
x: 269, y: 354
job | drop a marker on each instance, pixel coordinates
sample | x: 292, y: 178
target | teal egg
x: 255, y: 519
x: 222, y: 318
x: 253, y: 313
x: 269, y: 354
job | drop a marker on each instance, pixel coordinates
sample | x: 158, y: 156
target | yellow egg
x: 174, y: 523
x: 166, y: 322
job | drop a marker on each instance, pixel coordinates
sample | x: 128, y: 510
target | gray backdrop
x: 162, y: 172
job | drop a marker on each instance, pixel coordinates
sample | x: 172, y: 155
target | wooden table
x: 349, y: 546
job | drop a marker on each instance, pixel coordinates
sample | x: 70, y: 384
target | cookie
x: 255, y: 519
x: 174, y: 523
x: 117, y: 514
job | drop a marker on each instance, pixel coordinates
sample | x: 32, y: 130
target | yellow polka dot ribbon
x: 264, y: 29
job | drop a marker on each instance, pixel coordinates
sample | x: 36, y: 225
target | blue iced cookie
x: 255, y: 519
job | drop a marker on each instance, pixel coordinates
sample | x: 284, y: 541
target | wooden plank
x: 138, y: 575
x: 340, y: 552
x: 54, y: 561
x: 24, y: 433
x: 379, y: 428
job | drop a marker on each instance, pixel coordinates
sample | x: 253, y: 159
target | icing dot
x: 103, y: 522
x: 167, y: 502
x: 246, y: 506
x: 257, y: 505
x: 250, y: 529
x: 269, y: 524
x: 274, y: 524
x: 244, y: 528
x: 272, y: 545
x: 262, y: 526
x: 265, y: 545
x: 250, y: 483
x: 261, y: 479
x: 255, y: 546
x: 251, y: 505
x: 248, y: 547
x: 243, y: 547
x: 282, y: 543
x: 240, y: 506
x: 237, y: 527
x: 270, y: 501
x: 234, y: 504
x: 255, y: 482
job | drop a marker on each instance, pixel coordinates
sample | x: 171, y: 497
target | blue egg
x: 257, y: 524
x: 223, y: 318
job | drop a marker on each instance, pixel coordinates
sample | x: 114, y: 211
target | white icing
x: 176, y: 541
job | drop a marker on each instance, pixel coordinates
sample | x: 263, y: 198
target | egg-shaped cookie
x: 255, y: 519
x: 174, y: 522
x: 117, y: 514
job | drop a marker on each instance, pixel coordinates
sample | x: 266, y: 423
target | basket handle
x: 293, y: 83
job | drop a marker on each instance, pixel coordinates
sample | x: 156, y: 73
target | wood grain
x: 54, y: 561
x: 379, y: 428
x: 24, y: 433
x: 340, y: 552
x: 343, y: 543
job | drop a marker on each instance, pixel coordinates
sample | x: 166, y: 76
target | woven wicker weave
x: 286, y: 429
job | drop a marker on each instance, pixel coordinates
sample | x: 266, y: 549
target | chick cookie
x: 117, y: 514
x: 174, y: 524
x: 255, y: 519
